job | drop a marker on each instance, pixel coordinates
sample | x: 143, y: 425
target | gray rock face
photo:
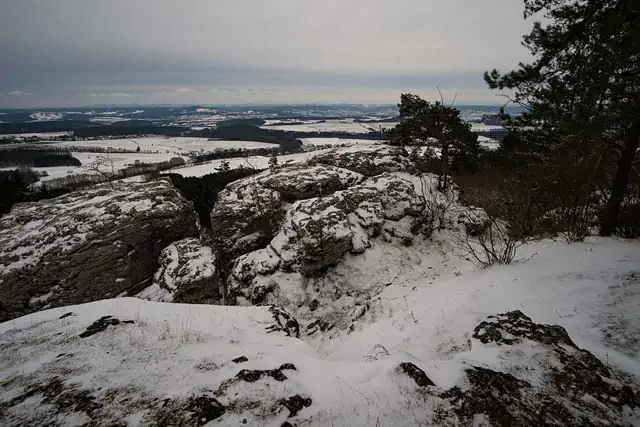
x: 186, y: 275
x: 316, y: 233
x: 369, y: 162
x: 88, y: 245
x: 248, y: 212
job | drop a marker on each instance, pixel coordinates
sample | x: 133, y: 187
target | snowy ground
x: 346, y: 125
x: 120, y: 161
x: 336, y: 141
x: 262, y: 162
x: 177, y: 145
x: 174, y: 350
x: 256, y: 162
x: 153, y: 150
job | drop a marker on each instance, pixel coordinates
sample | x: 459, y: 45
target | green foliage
x: 435, y: 124
x: 582, y: 94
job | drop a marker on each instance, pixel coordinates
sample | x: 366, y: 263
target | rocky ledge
x: 87, y: 245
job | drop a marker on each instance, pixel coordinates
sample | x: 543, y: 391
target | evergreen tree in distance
x: 435, y: 124
x: 273, y: 162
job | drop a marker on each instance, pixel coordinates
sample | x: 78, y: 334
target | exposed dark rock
x: 88, y: 245
x: 317, y: 233
x: 66, y: 315
x: 101, y: 324
x: 204, y: 409
x: 288, y: 367
x: 417, y: 374
x: 571, y: 388
x: 284, y: 322
x: 240, y: 359
x: 319, y: 325
x: 191, y: 412
x: 63, y: 396
x: 253, y: 375
x: 295, y: 404
x: 245, y: 218
x: 512, y: 327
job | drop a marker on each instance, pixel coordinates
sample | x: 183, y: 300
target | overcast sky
x: 87, y: 52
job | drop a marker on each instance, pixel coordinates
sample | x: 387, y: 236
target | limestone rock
x: 371, y: 161
x: 87, y: 245
x: 186, y: 274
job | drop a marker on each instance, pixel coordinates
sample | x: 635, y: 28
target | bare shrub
x: 437, y: 204
x: 496, y: 245
x: 514, y: 216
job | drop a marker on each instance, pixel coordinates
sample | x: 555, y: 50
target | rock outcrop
x: 186, y: 275
x: 316, y: 233
x: 369, y: 161
x: 544, y: 379
x: 87, y: 245
x: 248, y: 212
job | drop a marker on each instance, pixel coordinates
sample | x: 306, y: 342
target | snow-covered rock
x: 90, y: 244
x: 316, y: 233
x: 186, y: 274
x: 248, y: 212
x: 369, y: 161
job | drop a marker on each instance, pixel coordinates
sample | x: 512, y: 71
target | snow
x: 172, y: 145
x: 481, y: 127
x: 350, y: 378
x: 42, y: 116
x: 314, y: 142
x: 256, y: 162
x: 346, y: 125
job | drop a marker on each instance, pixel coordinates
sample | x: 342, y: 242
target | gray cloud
x: 65, y: 50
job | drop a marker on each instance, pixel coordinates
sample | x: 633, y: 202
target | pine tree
x: 224, y: 166
x: 582, y: 91
x: 273, y: 162
x: 426, y: 123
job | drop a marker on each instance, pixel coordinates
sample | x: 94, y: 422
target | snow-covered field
x: 425, y: 316
x: 337, y: 141
x: 119, y: 160
x: 478, y: 127
x: 256, y: 162
x: 176, y: 145
x: 262, y: 162
x: 347, y: 125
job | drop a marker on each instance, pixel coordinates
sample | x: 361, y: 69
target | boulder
x: 186, y: 275
x: 87, y: 245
